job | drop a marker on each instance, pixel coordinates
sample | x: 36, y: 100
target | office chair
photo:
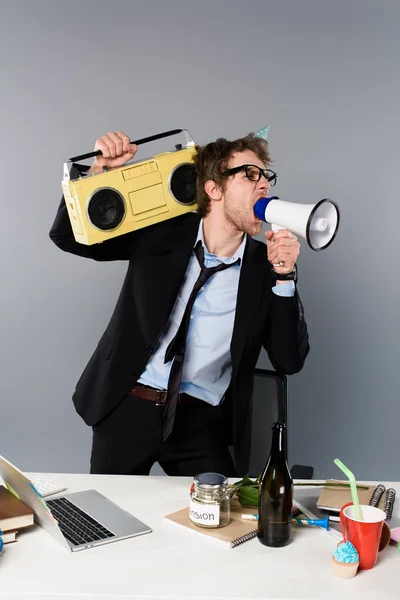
x: 269, y: 405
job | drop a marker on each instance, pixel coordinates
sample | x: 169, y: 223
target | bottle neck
x: 277, y: 445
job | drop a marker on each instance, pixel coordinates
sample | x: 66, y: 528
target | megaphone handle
x: 277, y: 228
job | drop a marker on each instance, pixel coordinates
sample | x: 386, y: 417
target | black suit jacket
x: 158, y: 256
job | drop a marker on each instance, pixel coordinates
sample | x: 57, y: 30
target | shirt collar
x: 225, y: 259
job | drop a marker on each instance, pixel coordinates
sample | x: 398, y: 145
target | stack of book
x: 14, y: 515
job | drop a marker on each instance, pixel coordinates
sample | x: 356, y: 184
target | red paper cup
x: 365, y: 535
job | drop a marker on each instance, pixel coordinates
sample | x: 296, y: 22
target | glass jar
x: 210, y: 503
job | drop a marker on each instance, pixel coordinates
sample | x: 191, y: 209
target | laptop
x: 79, y: 520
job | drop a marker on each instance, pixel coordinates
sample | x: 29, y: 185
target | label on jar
x: 204, y: 514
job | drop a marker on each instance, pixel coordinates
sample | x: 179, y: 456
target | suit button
x: 134, y: 375
x: 149, y: 349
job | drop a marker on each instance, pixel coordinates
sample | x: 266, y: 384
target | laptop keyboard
x: 77, y: 526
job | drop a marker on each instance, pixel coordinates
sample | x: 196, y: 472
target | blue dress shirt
x: 207, y: 369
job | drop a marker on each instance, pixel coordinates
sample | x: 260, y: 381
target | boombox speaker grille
x: 183, y: 184
x: 106, y: 209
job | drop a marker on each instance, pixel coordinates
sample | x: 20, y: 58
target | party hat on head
x: 262, y: 133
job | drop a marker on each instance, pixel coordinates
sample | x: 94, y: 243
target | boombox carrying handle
x: 150, y: 138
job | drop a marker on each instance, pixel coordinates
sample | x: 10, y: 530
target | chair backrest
x: 269, y: 405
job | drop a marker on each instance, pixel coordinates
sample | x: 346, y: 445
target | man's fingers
x: 125, y: 141
x: 285, y: 243
x: 283, y: 253
x: 285, y: 258
x: 132, y: 149
x: 283, y: 233
x: 277, y: 251
x: 118, y: 143
x: 103, y: 146
x: 116, y: 149
x: 111, y: 145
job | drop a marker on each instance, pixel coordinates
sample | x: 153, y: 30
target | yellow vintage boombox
x: 136, y: 195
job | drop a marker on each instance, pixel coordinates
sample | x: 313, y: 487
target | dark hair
x: 212, y: 160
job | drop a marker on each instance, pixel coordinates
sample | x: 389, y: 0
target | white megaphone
x: 317, y: 223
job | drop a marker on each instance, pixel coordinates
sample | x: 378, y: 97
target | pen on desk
x: 324, y: 522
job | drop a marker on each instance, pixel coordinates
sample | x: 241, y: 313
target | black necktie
x: 176, y: 348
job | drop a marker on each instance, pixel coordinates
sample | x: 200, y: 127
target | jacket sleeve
x: 286, y: 336
x: 117, y: 248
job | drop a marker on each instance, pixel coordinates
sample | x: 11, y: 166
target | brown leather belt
x: 147, y: 393
x: 160, y: 396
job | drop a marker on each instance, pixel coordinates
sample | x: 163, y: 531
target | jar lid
x: 210, y: 480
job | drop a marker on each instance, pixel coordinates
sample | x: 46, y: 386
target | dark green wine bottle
x: 276, y: 494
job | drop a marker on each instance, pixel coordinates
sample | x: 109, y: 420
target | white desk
x: 176, y: 564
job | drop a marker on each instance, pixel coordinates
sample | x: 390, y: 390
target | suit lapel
x: 168, y: 261
x: 251, y: 287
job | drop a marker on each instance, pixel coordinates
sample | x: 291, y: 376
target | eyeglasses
x: 253, y: 173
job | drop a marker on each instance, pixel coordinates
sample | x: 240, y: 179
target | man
x: 128, y: 390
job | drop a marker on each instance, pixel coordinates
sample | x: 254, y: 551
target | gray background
x: 325, y: 76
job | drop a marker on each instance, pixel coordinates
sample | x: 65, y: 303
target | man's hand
x: 117, y: 150
x: 283, y: 250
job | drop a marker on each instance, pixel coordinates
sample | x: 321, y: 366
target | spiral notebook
x: 236, y: 532
x: 333, y: 498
